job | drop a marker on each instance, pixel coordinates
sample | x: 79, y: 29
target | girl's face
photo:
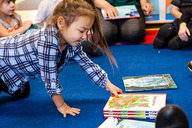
x: 8, y: 7
x: 77, y: 31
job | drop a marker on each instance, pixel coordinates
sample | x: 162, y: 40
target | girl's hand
x: 65, y: 109
x: 184, y: 32
x: 113, y: 89
x: 111, y: 11
x: 27, y: 24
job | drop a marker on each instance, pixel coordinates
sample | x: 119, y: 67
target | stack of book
x: 135, y: 105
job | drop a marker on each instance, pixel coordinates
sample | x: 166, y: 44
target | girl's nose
x: 12, y: 4
x: 84, y: 36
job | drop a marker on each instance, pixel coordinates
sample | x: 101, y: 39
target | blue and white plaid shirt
x: 35, y: 54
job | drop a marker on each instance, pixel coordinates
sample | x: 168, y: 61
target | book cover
x: 149, y: 82
x: 124, y: 12
x: 125, y: 123
x: 152, y: 102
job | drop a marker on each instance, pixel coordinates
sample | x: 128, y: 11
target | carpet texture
x: 39, y: 111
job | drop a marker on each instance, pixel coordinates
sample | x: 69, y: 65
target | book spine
x: 139, y: 112
x: 131, y: 117
x: 129, y: 114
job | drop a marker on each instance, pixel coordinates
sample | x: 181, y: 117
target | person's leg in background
x: 88, y: 47
x: 110, y: 32
x: 110, y: 29
x: 176, y: 43
x: 133, y: 30
x: 165, y: 34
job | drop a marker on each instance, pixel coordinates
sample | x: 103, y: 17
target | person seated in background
x: 45, y: 10
x: 131, y: 30
x: 171, y: 116
x: 10, y: 22
x: 176, y: 35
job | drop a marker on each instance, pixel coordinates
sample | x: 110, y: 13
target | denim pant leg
x: 133, y: 30
x: 109, y: 28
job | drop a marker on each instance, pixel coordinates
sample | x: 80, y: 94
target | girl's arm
x: 62, y: 107
x: 96, y: 74
x: 113, y: 89
x: 110, y: 10
x: 175, y: 12
x: 4, y: 32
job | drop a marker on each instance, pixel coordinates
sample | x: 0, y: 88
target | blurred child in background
x: 171, y: 116
x: 10, y: 22
x: 45, y: 10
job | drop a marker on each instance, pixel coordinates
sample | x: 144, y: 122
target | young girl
x: 45, y: 10
x: 45, y: 52
x: 10, y: 22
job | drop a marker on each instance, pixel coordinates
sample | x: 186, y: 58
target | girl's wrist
x: 59, y: 106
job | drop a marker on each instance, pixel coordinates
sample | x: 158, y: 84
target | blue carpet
x: 38, y: 111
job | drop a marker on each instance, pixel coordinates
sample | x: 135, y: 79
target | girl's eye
x: 81, y: 31
x: 7, y: 2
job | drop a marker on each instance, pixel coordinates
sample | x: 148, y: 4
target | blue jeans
x: 131, y: 30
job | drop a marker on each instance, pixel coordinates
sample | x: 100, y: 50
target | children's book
x: 130, y: 117
x: 125, y: 123
x: 144, y: 102
x: 124, y: 12
x: 130, y: 112
x: 149, y: 82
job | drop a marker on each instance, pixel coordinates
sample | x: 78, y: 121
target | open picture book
x: 149, y: 82
x: 124, y: 12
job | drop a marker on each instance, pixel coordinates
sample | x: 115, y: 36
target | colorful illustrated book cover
x: 125, y: 123
x: 149, y: 82
x: 124, y: 12
x: 152, y: 102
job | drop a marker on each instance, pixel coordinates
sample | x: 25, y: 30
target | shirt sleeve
x: 176, y: 3
x: 94, y: 71
x: 48, y: 52
x: 186, y: 15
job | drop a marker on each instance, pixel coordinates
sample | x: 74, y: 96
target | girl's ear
x: 60, y: 22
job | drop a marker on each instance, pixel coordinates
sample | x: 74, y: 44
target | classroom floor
x: 39, y: 111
